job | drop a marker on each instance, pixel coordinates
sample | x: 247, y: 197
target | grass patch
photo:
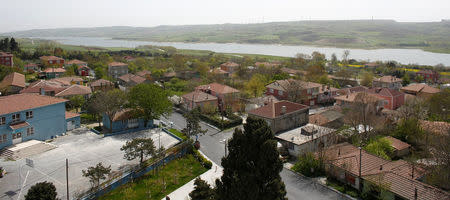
x: 178, y: 133
x: 346, y: 189
x: 175, y: 174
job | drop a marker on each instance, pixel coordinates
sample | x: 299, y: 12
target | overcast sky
x: 30, y: 14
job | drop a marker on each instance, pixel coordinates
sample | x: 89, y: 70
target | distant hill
x: 431, y: 36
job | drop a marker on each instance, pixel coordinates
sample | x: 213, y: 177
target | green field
x: 430, y: 36
x: 175, y: 174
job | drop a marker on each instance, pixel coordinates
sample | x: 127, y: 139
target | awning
x: 19, y: 125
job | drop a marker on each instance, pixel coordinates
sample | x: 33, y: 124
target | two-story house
x: 282, y: 115
x: 295, y: 90
x: 129, y: 80
x: 51, y: 61
x: 53, y: 72
x: 6, y: 59
x: 390, y: 82
x: 227, y: 96
x: 199, y: 99
x: 229, y: 67
x: 30, y: 67
x: 101, y: 85
x: 82, y: 67
x: 32, y: 117
x: 117, y: 69
x: 428, y: 75
x: 394, y: 98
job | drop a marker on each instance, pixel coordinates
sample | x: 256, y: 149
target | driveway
x: 213, y: 146
x: 83, y: 149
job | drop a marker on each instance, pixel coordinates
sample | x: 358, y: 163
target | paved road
x: 212, y: 144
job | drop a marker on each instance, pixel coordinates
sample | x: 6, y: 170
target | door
x: 70, y: 125
x: 17, y: 137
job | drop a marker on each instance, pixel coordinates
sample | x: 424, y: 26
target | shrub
x: 222, y: 124
x: 205, y: 162
x: 308, y: 166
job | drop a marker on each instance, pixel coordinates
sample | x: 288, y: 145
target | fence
x: 176, y: 151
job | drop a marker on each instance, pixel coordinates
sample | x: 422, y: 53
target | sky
x: 40, y: 14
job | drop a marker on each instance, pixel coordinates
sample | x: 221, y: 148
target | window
x: 50, y: 62
x: 29, y: 114
x: 280, y: 92
x: 16, y: 117
x: 4, y: 138
x: 30, y: 131
x: 271, y: 90
x: 2, y: 120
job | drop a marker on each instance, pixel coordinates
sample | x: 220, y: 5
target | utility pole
x: 225, y: 147
x: 67, y: 177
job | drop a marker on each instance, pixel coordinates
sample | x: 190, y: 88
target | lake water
x: 404, y: 56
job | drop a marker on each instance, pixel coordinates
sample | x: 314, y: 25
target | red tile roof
x: 132, y: 78
x: 76, y: 62
x: 385, y: 92
x: 274, y: 109
x: 218, y: 71
x: 5, y: 54
x: 116, y: 64
x: 70, y: 115
x: 46, y: 85
x: 351, y: 90
x: 417, y: 88
x: 218, y: 88
x: 198, y: 96
x: 19, y: 102
x: 13, y: 79
x: 440, y: 128
x: 359, y: 97
x: 388, y: 79
x: 50, y: 58
x: 101, y: 82
x: 19, y: 125
x: 74, y: 90
x: 230, y: 64
x: 285, y: 84
x: 144, y: 73
x: 56, y: 70
x: 398, y: 144
x: 68, y: 80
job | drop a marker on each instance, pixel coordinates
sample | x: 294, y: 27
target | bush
x: 178, y: 133
x: 88, y: 118
x: 308, y: 166
x: 205, y: 162
x: 222, y: 124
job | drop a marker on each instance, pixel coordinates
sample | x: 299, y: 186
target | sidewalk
x: 209, y: 176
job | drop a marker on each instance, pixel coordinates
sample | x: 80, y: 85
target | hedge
x: 222, y: 124
x: 205, y: 162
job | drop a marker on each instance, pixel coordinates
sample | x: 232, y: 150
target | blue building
x: 123, y: 121
x: 29, y: 116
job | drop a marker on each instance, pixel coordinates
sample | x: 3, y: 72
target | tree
x: 77, y: 101
x: 14, y: 46
x: 406, y: 80
x: 334, y: 60
x: 149, y: 102
x: 96, y: 174
x: 345, y: 57
x: 202, y: 190
x: 252, y: 168
x: 439, y: 106
x: 139, y: 148
x: 43, y: 190
x: 380, y: 147
x: 409, y: 130
x: 193, y: 127
x: 93, y: 106
x: 367, y: 79
x: 112, y: 102
x: 256, y: 85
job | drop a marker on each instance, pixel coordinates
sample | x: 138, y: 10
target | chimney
x: 41, y: 91
x: 283, y: 110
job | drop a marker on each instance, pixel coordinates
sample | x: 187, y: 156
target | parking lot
x: 83, y: 149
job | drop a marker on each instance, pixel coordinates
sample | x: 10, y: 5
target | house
x: 400, y: 148
x: 199, y: 99
x: 257, y: 102
x: 394, y: 98
x: 116, y: 69
x: 101, y: 85
x: 73, y: 120
x: 349, y: 90
x: 282, y: 115
x: 292, y: 72
x: 12, y: 83
x: 228, y: 97
x: 360, y: 169
x: 290, y: 89
x: 219, y: 73
x: 420, y: 90
x: 58, y: 89
x: 82, y: 67
x: 70, y: 80
x: 31, y: 68
x: 51, y: 61
x: 26, y: 117
x: 124, y: 121
x: 167, y: 76
x: 327, y: 118
x: 53, y: 72
x: 429, y: 75
x: 359, y: 98
x: 145, y: 74
x: 229, y: 67
x: 129, y: 80
x: 308, y: 138
x: 129, y: 58
x: 326, y: 94
x: 390, y: 82
x: 6, y: 59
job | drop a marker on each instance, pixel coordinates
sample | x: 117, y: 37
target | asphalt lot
x: 83, y: 149
x: 213, y: 146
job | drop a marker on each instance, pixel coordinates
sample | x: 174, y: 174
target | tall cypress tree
x: 252, y: 167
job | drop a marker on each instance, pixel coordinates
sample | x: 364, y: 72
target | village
x: 362, y: 130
